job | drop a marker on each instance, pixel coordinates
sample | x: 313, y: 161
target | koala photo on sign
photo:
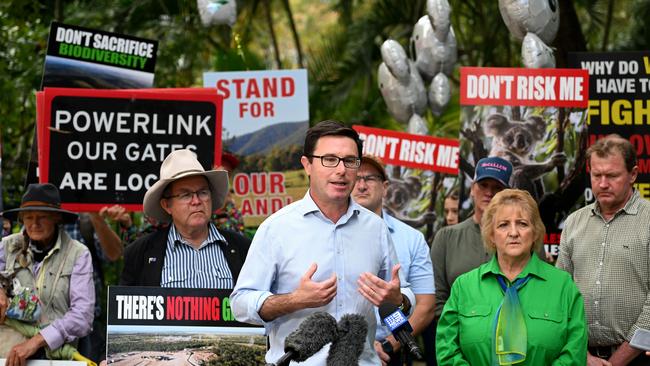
x: 545, y: 147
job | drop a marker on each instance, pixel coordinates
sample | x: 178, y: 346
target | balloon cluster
x: 536, y: 23
x: 402, y: 80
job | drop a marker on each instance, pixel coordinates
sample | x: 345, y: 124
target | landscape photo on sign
x: 180, y: 326
x: 266, y: 117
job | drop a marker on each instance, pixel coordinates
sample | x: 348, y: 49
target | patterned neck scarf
x: 510, y: 337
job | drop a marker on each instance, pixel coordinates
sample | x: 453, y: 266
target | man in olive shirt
x: 459, y: 248
x: 605, y: 247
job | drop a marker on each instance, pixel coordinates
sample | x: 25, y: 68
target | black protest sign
x: 88, y: 58
x: 96, y: 46
x: 619, y: 102
x: 171, y: 306
x: 102, y: 147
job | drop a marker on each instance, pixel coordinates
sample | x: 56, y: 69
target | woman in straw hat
x: 54, y: 271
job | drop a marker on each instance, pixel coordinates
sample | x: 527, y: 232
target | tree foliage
x: 341, y: 40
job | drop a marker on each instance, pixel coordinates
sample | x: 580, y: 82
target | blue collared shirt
x: 284, y: 247
x: 186, y: 267
x: 413, y: 254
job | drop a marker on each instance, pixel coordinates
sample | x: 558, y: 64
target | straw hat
x: 182, y: 164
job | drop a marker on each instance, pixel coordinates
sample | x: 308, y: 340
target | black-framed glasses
x: 370, y: 178
x: 332, y: 161
x: 186, y: 197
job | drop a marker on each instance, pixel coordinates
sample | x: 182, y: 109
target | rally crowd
x: 484, y: 293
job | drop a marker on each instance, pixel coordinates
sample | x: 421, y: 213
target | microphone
x: 317, y: 330
x: 399, y: 325
x: 347, y: 348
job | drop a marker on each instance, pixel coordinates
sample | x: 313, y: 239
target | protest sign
x: 179, y: 325
x: 79, y: 57
x: 102, y: 147
x: 266, y: 116
x: 409, y: 150
x: 89, y: 58
x: 534, y: 118
x: 418, y: 167
x: 619, y: 102
x: 522, y: 87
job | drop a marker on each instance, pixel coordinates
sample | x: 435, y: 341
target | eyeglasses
x: 332, y: 161
x: 186, y: 197
x: 370, y: 178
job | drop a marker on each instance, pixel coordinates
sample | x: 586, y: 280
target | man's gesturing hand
x: 312, y: 294
x: 378, y: 291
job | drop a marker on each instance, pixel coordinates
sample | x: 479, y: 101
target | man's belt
x: 604, y: 352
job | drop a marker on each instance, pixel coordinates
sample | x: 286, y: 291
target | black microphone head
x: 387, y: 308
x: 346, y: 350
x: 393, y: 318
x: 317, y: 330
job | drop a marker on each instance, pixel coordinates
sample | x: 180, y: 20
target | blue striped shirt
x: 186, y: 267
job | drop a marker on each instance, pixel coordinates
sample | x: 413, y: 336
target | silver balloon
x: 393, y: 54
x: 217, y: 12
x: 431, y: 55
x: 439, y: 94
x: 417, y: 125
x: 536, y: 54
x: 400, y: 84
x: 541, y: 17
x: 439, y: 11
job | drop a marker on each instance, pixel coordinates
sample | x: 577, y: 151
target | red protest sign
x: 524, y: 87
x: 103, y: 147
x: 413, y: 151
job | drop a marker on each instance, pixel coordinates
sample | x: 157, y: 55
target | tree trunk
x: 569, y: 36
x: 608, y: 25
x: 269, y: 22
x: 294, y: 32
x: 346, y: 8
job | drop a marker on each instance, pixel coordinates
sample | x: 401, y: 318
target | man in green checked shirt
x: 605, y: 246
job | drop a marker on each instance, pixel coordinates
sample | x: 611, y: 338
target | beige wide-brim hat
x: 182, y: 164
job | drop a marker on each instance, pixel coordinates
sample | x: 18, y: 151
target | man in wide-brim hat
x: 191, y: 252
x: 44, y: 258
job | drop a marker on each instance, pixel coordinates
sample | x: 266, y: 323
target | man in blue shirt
x: 412, y: 252
x: 321, y: 253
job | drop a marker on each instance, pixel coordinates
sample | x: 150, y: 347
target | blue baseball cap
x: 495, y: 168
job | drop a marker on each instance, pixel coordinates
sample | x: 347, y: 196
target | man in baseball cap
x: 494, y: 168
x: 185, y: 196
x: 457, y: 249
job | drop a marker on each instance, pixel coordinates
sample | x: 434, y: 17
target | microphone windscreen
x: 346, y: 350
x: 317, y: 330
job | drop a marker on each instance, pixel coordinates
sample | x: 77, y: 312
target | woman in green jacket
x: 514, y: 309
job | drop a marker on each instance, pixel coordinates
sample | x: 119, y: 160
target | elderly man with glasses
x: 322, y: 253
x: 190, y: 252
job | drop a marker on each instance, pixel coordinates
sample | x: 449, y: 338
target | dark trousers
x: 400, y: 358
x: 93, y: 346
x: 396, y: 359
x: 429, y: 340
